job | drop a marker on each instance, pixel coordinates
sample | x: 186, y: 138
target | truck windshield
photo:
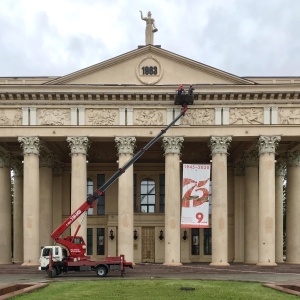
x: 46, y: 252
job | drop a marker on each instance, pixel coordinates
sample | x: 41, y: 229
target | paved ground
x: 283, y: 274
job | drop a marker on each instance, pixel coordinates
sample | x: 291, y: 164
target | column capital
x: 268, y: 144
x: 239, y: 167
x: 46, y: 159
x: 30, y: 145
x: 58, y: 167
x: 125, y: 144
x: 293, y: 158
x: 5, y: 159
x: 251, y: 158
x: 172, y: 145
x: 17, y: 167
x: 219, y: 144
x: 280, y: 167
x: 78, y: 144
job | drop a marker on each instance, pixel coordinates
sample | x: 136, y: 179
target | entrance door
x: 148, y: 244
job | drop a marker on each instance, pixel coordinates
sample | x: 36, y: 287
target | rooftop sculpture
x: 150, y: 27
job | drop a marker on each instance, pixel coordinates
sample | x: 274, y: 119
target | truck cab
x: 58, y: 255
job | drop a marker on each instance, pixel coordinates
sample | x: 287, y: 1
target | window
x: 101, y: 200
x: 89, y: 249
x: 161, y: 193
x: 90, y: 190
x: 207, y: 241
x: 195, y: 241
x: 148, y: 196
x: 100, y: 241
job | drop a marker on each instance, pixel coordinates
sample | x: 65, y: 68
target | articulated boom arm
x: 68, y: 222
x: 77, y: 250
x: 99, y: 192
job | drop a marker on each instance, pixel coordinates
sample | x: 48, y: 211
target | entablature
x: 128, y: 98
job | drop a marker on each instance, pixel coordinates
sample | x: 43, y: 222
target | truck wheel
x: 101, y: 271
x: 52, y: 273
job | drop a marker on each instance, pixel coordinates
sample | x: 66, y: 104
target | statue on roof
x: 150, y: 27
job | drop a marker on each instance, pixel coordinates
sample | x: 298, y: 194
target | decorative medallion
x: 149, y: 70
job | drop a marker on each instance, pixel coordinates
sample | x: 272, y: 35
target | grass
x: 155, y: 289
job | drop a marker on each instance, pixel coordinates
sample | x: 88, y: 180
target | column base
x: 250, y: 262
x: 220, y: 264
x: 292, y: 262
x: 30, y: 264
x: 173, y: 264
x: 5, y: 262
x: 238, y: 261
x: 266, y: 264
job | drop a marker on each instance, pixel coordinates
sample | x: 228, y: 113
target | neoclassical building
x: 63, y: 137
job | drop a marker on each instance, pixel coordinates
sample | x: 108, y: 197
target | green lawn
x: 155, y: 290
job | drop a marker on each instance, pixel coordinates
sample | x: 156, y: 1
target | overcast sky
x: 58, y: 37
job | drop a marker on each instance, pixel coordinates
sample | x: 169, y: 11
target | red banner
x: 195, y: 196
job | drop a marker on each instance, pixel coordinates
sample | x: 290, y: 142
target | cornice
x: 145, y: 98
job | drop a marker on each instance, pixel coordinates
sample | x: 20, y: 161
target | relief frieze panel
x: 102, y: 116
x: 10, y: 117
x: 54, y: 116
x: 289, y: 115
x: 246, y: 116
x: 148, y: 117
x: 199, y: 117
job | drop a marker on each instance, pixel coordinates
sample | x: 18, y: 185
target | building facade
x: 63, y: 137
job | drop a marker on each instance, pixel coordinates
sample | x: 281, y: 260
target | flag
x: 195, y: 196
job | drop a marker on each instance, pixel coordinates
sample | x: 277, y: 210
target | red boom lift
x: 70, y: 256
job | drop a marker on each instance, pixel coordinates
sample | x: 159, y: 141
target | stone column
x: 46, y: 222
x: 31, y: 211
x: 66, y: 202
x: 5, y: 211
x: 251, y: 207
x: 17, y: 167
x: 219, y: 146
x: 78, y: 147
x: 57, y: 193
x: 230, y: 212
x: 280, y: 171
x: 172, y: 147
x: 266, y: 216
x: 293, y: 208
x: 239, y: 194
x: 125, y: 146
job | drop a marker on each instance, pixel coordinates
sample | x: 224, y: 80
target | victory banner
x: 195, y: 194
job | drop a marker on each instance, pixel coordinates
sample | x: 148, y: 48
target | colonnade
x: 258, y: 198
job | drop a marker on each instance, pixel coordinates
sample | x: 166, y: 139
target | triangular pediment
x: 149, y: 65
